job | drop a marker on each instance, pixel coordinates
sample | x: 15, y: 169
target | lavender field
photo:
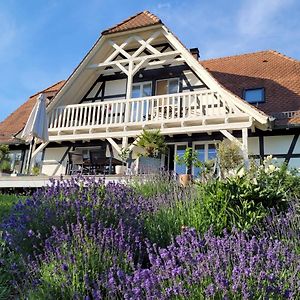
x: 235, y: 238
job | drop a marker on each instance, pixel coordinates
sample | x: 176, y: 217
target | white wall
x: 253, y: 146
x: 277, y: 144
x: 51, y: 166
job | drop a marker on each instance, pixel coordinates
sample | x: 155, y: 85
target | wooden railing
x: 145, y: 110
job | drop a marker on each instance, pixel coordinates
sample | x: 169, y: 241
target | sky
x: 41, y: 42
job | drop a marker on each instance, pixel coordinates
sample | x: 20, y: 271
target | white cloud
x: 257, y: 17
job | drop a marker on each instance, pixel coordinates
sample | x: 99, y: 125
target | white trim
x: 206, y: 144
x: 175, y: 153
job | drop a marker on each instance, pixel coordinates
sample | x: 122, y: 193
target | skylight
x: 254, y: 95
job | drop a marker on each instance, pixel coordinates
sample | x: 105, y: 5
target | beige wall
x: 51, y: 166
x: 277, y: 144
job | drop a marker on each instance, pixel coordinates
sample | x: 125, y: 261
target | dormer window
x: 254, y: 95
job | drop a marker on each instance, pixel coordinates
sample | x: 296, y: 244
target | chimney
x: 195, y: 53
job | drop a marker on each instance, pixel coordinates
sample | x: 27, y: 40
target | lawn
x: 231, y: 238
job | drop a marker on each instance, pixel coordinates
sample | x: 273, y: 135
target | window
x: 179, y: 150
x: 139, y: 109
x: 167, y: 86
x: 205, y: 151
x: 254, y: 95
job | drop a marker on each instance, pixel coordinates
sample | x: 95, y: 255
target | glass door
x: 179, y: 150
x: 140, y: 107
x: 205, y: 152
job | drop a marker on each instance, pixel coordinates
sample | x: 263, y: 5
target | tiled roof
x: 16, y: 121
x: 277, y: 73
x: 141, y: 19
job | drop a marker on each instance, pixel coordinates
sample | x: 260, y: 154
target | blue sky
x: 41, y: 42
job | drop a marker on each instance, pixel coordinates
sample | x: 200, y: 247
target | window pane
x: 180, y: 169
x: 147, y: 90
x: 173, y: 86
x: 136, y: 91
x: 161, y: 87
x: 200, y: 149
x: 254, y: 95
x: 212, y: 151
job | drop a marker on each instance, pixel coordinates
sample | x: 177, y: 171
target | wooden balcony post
x: 245, y: 146
x: 128, y: 90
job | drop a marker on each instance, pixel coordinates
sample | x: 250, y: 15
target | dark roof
x: 16, y: 121
x: 139, y: 20
x: 277, y: 73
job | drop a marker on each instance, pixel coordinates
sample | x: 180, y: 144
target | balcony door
x: 139, y: 108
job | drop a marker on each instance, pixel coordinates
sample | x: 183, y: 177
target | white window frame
x: 168, y: 80
x: 175, y: 153
x: 205, y: 143
x: 141, y: 84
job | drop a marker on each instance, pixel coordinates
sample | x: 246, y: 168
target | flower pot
x: 120, y: 170
x: 185, y: 179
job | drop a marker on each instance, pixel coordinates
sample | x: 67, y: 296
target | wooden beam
x: 232, y: 138
x: 245, y: 146
x: 135, y: 59
x: 114, y: 144
x: 40, y: 148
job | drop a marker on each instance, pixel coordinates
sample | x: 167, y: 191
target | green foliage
x: 239, y: 201
x: 36, y: 171
x: 153, y: 142
x: 6, y: 257
x: 151, y: 186
x: 124, y: 154
x: 4, y: 159
x: 229, y: 155
x: 6, y: 204
x: 210, y: 205
x: 189, y: 158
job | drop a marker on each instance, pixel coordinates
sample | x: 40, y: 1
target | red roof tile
x: 277, y: 73
x: 141, y: 19
x: 16, y: 121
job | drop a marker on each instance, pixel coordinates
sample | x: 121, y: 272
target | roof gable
x: 139, y: 20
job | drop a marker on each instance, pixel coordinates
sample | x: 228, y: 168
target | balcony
x: 189, y: 112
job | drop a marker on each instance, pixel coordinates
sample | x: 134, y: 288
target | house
x: 138, y: 75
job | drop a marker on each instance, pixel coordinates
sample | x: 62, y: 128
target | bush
x: 77, y: 261
x: 65, y: 203
x: 233, y: 266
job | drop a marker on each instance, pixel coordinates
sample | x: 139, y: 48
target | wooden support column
x: 124, y: 142
x: 245, y: 146
x: 128, y: 90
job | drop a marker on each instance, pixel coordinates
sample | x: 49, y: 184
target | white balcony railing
x: 140, y: 111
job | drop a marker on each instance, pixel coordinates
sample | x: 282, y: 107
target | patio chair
x: 98, y: 161
x: 75, y: 163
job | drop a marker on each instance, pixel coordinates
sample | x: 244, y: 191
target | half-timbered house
x: 138, y: 75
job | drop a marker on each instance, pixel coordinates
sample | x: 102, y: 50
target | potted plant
x: 4, y: 160
x: 153, y: 144
x: 124, y: 154
x: 189, y: 158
